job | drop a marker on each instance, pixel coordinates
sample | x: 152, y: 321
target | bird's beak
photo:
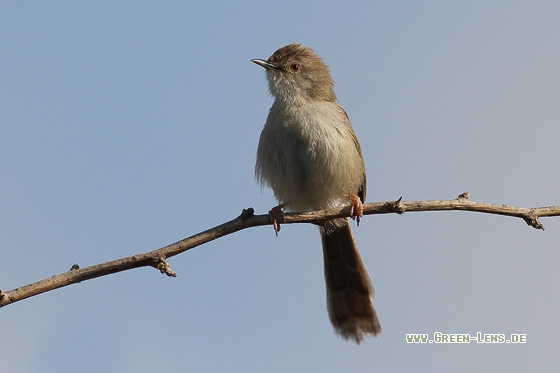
x: 267, y: 65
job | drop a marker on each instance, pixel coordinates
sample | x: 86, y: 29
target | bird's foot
x: 277, y: 216
x: 356, y: 208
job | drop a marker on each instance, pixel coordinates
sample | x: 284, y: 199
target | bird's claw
x: 277, y: 216
x: 356, y: 208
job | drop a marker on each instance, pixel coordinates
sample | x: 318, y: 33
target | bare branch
x: 247, y: 219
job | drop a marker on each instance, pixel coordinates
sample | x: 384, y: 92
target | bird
x: 310, y: 156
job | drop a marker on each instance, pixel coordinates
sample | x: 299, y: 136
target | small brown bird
x: 310, y: 156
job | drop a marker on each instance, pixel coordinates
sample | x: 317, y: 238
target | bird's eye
x: 295, y: 67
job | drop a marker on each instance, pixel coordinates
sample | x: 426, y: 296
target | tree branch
x: 247, y: 219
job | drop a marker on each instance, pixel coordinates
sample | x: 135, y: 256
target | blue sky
x: 127, y: 126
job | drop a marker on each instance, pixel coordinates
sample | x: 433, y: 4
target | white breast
x: 309, y: 156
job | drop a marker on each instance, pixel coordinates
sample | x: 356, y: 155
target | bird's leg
x: 277, y: 217
x: 356, y: 208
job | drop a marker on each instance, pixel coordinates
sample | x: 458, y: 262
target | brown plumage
x: 310, y: 156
